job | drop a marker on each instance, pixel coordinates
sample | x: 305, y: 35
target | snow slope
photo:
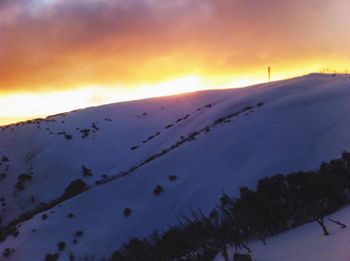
x: 302, y: 122
x: 305, y: 243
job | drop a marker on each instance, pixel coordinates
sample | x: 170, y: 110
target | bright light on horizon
x: 24, y: 106
x: 21, y: 106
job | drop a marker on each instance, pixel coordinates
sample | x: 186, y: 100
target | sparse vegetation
x: 68, y: 136
x: 24, y: 177
x: 172, y: 177
x: 7, y: 252
x: 19, y: 185
x: 134, y: 147
x: 279, y: 203
x: 158, y: 190
x: 85, y: 133
x: 78, y: 234
x: 61, y: 246
x: 75, y: 187
x: 86, y: 171
x: 127, y: 212
x: 52, y: 257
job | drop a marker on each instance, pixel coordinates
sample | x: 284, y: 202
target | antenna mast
x: 269, y: 73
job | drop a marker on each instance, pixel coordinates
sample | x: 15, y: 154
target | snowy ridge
x: 226, y: 139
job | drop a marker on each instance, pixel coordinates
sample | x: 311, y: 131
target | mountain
x: 209, y: 142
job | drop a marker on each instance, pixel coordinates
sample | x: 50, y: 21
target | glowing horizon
x: 93, y: 52
x: 31, y: 105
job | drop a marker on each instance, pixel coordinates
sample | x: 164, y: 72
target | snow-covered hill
x: 212, y: 141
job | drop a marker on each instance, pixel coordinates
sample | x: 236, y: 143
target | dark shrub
x: 7, y: 252
x: 240, y: 257
x: 71, y: 215
x: 19, y: 185
x: 247, y: 108
x: 172, y: 177
x: 24, y: 177
x: 68, y: 136
x: 159, y: 189
x: 44, y: 216
x: 61, y: 246
x: 127, y: 212
x: 86, y: 171
x: 52, y: 257
x: 134, y: 147
x: 74, y: 188
x: 79, y: 233
x: 85, y: 133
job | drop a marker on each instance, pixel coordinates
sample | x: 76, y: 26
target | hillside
x: 212, y: 141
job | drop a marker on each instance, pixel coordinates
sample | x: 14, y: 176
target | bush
x: 134, y: 147
x: 86, y: 171
x: 52, y: 257
x: 44, y: 217
x: 79, y: 233
x: 61, y: 246
x: 172, y: 177
x: 19, y: 185
x: 74, y: 188
x: 7, y: 252
x: 24, y: 177
x: 159, y: 189
x: 68, y: 136
x: 85, y: 133
x: 127, y: 212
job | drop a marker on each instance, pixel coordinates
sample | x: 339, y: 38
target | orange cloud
x: 50, y: 45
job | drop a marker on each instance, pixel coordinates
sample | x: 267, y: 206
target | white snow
x: 303, y: 122
x: 305, y: 243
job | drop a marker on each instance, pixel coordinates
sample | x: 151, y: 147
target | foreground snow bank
x: 306, y: 243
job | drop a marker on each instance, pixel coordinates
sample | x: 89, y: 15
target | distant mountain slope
x: 213, y: 142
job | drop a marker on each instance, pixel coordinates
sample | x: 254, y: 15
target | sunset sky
x: 59, y: 55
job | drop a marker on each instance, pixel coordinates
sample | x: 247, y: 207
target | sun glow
x: 19, y: 106
x: 22, y: 106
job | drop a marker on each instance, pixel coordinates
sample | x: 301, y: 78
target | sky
x: 60, y: 55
